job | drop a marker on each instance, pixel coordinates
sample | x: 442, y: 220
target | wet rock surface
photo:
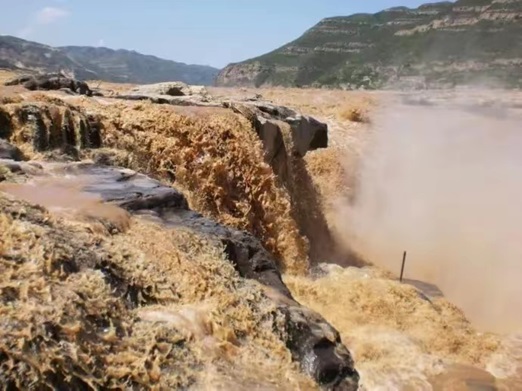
x: 313, y: 342
x: 50, y: 127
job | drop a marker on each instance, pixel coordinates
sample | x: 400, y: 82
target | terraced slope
x: 436, y: 45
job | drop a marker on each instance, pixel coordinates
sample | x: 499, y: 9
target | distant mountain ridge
x: 441, y: 44
x: 123, y: 66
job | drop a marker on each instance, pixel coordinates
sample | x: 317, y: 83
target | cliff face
x: 436, y: 45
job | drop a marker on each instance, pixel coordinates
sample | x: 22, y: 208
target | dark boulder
x: 51, y: 81
x: 8, y: 151
x: 19, y: 80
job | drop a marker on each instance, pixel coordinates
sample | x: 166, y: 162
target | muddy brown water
x: 62, y: 193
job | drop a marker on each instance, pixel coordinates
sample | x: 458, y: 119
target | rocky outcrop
x: 51, y: 81
x: 270, y: 133
x: 313, y: 342
x: 307, y: 133
x: 190, y: 100
x: 174, y: 88
x: 173, y: 93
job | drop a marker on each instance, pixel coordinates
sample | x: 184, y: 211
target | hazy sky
x: 211, y: 32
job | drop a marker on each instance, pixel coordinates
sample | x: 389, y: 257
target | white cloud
x: 45, y: 16
x: 101, y: 42
x: 50, y: 15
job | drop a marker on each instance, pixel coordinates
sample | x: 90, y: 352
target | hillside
x: 132, y: 67
x: 436, y: 45
x: 99, y: 63
x: 16, y: 53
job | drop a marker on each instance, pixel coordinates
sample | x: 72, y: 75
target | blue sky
x: 210, y: 32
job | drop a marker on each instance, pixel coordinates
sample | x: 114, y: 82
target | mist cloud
x: 446, y: 186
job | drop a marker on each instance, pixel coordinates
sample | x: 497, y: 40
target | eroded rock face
x: 270, y: 133
x: 313, y: 342
x: 54, y: 127
x: 273, y: 142
x: 274, y: 111
x: 308, y: 134
x: 51, y: 81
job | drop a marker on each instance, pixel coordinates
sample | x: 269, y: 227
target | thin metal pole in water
x: 403, y: 263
